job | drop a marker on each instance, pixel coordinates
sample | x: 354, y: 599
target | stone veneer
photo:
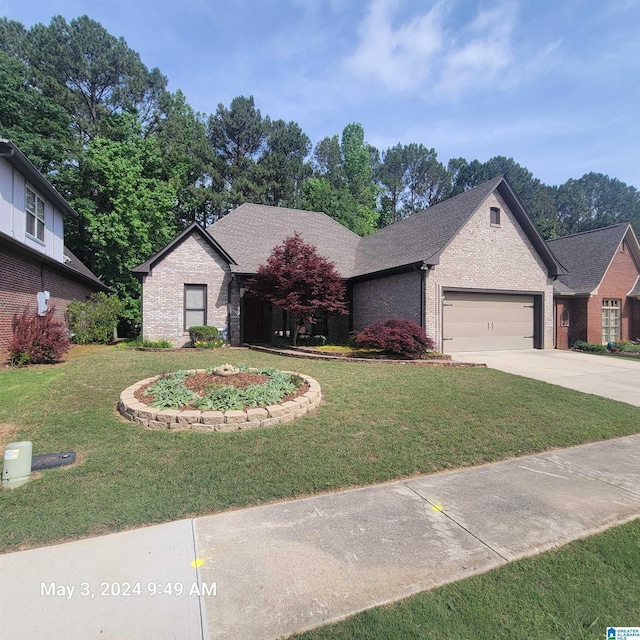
x: 175, y: 419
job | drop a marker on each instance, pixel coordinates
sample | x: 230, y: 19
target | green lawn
x: 378, y: 422
x: 574, y: 592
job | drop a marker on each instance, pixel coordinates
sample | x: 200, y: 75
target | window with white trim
x: 195, y: 305
x: 34, y: 206
x: 610, y: 320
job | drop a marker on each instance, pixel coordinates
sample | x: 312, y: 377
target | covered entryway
x: 252, y: 317
x: 487, y: 321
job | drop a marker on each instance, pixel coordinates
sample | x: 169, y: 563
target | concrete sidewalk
x: 269, y: 571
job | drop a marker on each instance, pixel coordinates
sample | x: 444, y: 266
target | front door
x: 252, y: 320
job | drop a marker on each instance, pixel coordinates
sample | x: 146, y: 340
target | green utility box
x: 16, y: 467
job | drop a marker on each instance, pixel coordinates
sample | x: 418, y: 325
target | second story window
x: 494, y: 216
x: 35, y: 215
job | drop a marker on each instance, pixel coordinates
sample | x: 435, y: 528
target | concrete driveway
x: 615, y: 378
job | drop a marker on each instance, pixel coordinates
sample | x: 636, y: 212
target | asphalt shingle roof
x: 75, y: 264
x: 250, y: 232
x: 421, y: 237
x: 586, y: 257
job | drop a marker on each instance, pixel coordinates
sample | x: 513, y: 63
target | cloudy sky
x: 555, y: 84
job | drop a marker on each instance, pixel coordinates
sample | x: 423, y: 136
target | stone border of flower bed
x: 180, y: 420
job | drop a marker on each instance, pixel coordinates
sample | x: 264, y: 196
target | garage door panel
x: 481, y: 322
x: 487, y: 344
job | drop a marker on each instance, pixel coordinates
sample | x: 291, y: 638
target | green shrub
x: 312, y: 341
x: 203, y: 333
x: 625, y: 346
x: 589, y: 347
x: 93, y: 321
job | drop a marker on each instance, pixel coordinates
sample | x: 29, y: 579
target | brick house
x: 33, y: 258
x: 473, y: 271
x: 598, y: 300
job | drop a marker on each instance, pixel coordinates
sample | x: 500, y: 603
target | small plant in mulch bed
x: 206, y: 391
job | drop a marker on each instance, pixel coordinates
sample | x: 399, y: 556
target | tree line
x: 139, y: 164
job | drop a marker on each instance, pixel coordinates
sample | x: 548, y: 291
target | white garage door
x: 487, y: 322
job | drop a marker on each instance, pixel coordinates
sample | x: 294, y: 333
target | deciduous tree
x: 299, y: 280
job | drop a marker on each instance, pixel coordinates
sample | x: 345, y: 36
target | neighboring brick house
x: 33, y: 258
x: 598, y: 300
x: 473, y: 271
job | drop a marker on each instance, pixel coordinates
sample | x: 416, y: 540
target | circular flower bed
x: 223, y: 399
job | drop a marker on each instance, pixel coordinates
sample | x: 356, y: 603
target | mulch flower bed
x: 201, y: 384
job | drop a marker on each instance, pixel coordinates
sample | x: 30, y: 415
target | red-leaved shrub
x: 402, y: 338
x: 38, y: 339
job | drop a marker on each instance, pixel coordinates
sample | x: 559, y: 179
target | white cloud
x: 431, y: 52
x: 398, y: 58
x: 483, y: 51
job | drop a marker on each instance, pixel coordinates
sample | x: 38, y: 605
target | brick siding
x: 617, y: 282
x: 396, y: 296
x: 193, y: 261
x: 483, y: 256
x: 20, y: 281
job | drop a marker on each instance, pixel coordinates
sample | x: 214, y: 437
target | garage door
x: 487, y: 322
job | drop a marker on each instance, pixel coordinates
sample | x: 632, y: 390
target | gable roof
x: 424, y: 236
x: 23, y: 165
x: 246, y: 236
x: 194, y: 227
x: 250, y: 232
x: 587, y: 255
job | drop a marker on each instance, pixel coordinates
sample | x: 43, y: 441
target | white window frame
x: 35, y: 215
x: 611, y: 311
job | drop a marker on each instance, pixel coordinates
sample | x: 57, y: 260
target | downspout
x: 422, y: 270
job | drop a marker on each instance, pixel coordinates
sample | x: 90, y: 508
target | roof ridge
x: 417, y: 214
x: 582, y: 233
x: 279, y: 208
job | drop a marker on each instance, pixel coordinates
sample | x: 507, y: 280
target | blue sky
x: 555, y: 84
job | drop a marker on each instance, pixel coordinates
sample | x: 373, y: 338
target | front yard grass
x: 574, y: 592
x: 377, y: 423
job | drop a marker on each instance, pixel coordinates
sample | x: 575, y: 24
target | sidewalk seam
x: 570, y: 467
x: 482, y: 542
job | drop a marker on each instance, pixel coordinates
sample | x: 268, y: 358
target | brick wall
x: 617, y: 282
x: 193, y: 261
x: 482, y: 256
x: 634, y: 329
x: 566, y: 337
x: 20, y: 281
x: 396, y: 296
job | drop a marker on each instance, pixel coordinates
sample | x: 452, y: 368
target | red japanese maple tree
x: 299, y: 280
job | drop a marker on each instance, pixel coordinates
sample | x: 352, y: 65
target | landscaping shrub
x: 37, y: 339
x: 93, y: 321
x: 625, y: 346
x: 589, y: 347
x: 312, y: 341
x: 402, y: 338
x: 203, y: 333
